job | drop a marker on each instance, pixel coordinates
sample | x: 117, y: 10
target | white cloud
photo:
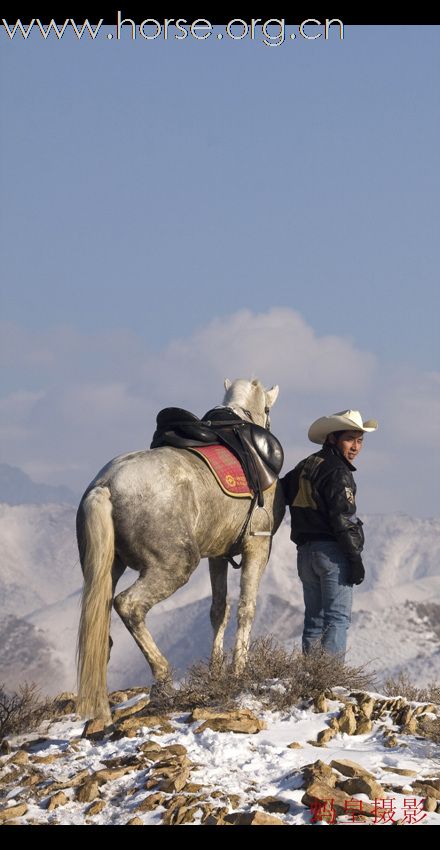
x: 278, y: 347
x: 79, y: 400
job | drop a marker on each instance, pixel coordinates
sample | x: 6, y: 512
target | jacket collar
x: 333, y: 450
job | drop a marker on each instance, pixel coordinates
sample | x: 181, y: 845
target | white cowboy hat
x: 346, y: 420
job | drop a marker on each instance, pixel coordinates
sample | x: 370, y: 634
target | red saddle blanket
x: 226, y: 468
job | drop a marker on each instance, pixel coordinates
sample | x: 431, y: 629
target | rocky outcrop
x: 240, y: 720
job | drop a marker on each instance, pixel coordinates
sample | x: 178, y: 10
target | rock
x: 347, y: 720
x: 73, y: 781
x: 109, y: 774
x: 424, y: 709
x: 239, y: 720
x: 363, y: 726
x: 58, y: 799
x: 320, y: 704
x: 391, y: 742
x: 432, y: 781
x: 96, y: 807
x: 325, y: 736
x: 430, y: 804
x: 133, y: 760
x: 96, y: 730
x: 320, y: 792
x: 46, y: 759
x: 134, y: 822
x: 366, y: 704
x: 207, y: 714
x: 426, y: 790
x: 363, y: 785
x: 253, y: 819
x: 214, y: 817
x: 233, y: 724
x: 131, y: 725
x: 294, y: 746
x: 151, y: 802
x: 318, y: 771
x: 175, y: 802
x: 33, y: 778
x: 20, y: 757
x: 170, y: 768
x: 172, y: 761
x: 176, y: 783
x: 401, y: 771
x: 410, y: 728
x: 13, y: 812
x: 12, y: 776
x: 121, y: 713
x: 350, y: 768
x: 404, y: 716
x: 151, y: 748
x: 174, y: 749
x: 5, y: 746
x: 180, y: 815
x: 117, y: 697
x: 274, y: 804
x: 87, y: 791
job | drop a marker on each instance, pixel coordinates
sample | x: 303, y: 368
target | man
x: 320, y: 492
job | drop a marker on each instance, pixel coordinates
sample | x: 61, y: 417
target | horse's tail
x: 96, y: 541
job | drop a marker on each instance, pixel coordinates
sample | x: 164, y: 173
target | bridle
x: 249, y: 415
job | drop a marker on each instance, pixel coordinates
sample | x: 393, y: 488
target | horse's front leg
x: 253, y: 564
x: 220, y: 608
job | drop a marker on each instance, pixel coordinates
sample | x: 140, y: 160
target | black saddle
x: 259, y: 452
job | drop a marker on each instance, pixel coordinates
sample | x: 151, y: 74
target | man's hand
x: 357, y: 571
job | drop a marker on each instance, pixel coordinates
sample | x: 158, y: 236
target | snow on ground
x: 249, y: 766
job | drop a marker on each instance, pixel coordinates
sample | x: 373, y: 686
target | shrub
x: 23, y: 710
x: 276, y: 676
x: 401, y: 685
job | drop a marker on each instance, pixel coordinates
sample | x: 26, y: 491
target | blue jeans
x: 324, y: 570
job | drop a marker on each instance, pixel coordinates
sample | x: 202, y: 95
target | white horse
x: 159, y: 512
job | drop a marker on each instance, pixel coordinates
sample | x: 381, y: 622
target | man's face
x: 349, y: 443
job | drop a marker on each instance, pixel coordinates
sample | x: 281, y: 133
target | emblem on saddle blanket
x: 226, y: 468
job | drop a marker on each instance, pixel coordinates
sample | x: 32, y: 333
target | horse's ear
x: 272, y: 395
x: 228, y: 383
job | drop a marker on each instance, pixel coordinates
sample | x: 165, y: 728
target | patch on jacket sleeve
x: 350, y: 495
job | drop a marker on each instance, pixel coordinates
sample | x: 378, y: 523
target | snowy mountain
x: 16, y: 488
x: 395, y: 622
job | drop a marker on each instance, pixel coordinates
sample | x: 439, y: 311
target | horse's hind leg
x: 153, y: 585
x: 220, y: 608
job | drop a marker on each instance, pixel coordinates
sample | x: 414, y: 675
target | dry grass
x: 402, y: 685
x: 275, y: 676
x: 23, y: 710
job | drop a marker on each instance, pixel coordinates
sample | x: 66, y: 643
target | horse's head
x: 250, y: 400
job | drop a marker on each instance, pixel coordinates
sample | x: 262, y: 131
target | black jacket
x: 321, y: 492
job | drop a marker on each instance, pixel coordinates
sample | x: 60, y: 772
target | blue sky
x: 153, y: 192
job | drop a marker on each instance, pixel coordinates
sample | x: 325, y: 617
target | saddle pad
x: 226, y: 469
